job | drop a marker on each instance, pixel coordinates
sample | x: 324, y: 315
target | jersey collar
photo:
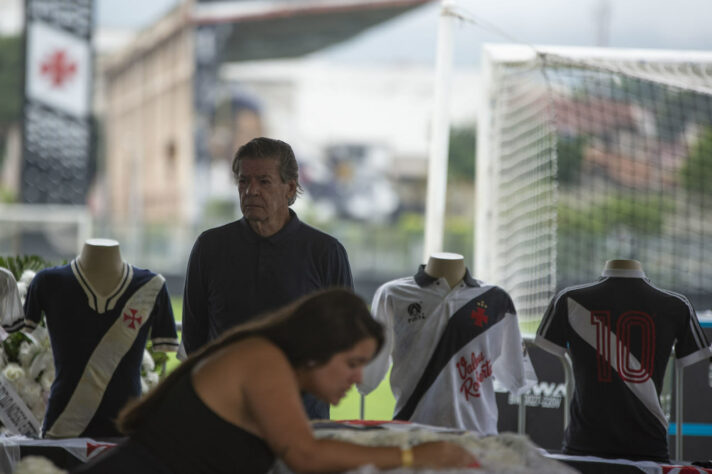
x: 423, y: 279
x: 623, y: 273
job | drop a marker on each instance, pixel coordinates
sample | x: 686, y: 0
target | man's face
x: 263, y: 195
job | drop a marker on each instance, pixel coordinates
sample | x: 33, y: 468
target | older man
x: 264, y: 260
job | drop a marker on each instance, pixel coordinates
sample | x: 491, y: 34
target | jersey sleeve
x: 195, y: 303
x: 553, y: 332
x: 11, y: 313
x: 163, y: 330
x: 374, y: 372
x: 513, y: 368
x: 33, y: 303
x: 692, y: 344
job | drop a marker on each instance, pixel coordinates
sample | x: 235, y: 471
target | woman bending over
x: 235, y: 405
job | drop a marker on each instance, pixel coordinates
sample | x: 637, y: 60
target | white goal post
x: 587, y: 154
x: 52, y: 231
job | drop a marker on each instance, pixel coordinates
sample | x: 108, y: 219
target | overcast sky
x: 658, y: 24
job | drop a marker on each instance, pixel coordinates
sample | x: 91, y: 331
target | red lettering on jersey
x: 473, y: 373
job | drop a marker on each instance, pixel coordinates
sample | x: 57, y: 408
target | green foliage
x: 6, y: 196
x: 220, y: 209
x: 641, y: 214
x: 411, y: 223
x: 16, y: 265
x: 160, y: 359
x: 569, y: 157
x: 696, y: 173
x: 461, y: 159
x: 11, y: 345
x: 11, y: 64
x: 19, y: 264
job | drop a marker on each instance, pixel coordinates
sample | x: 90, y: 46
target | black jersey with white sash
x: 97, y: 343
x: 620, y: 332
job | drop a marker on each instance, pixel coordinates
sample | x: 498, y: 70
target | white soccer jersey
x: 447, y: 346
x: 11, y: 314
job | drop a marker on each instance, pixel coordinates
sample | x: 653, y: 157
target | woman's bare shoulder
x: 254, y: 352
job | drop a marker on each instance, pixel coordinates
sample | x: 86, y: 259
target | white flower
x: 13, y: 372
x: 147, y: 364
x: 36, y: 465
x: 27, y: 276
x: 41, y: 363
x: 38, y: 411
x: 22, y: 290
x: 151, y: 379
x: 46, y: 379
x: 31, y: 393
x: 40, y: 336
x: 27, y: 353
x: 144, y: 386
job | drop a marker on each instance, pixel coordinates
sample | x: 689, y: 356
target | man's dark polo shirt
x: 235, y: 274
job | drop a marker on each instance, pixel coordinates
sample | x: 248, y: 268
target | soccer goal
x: 53, y: 231
x: 589, y: 154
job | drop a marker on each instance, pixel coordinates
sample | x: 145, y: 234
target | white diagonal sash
x: 103, y: 362
x: 579, y: 318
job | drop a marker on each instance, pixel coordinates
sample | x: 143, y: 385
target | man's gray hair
x: 269, y: 148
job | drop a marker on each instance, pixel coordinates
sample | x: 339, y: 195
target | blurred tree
x: 11, y: 64
x: 569, y: 155
x: 640, y: 213
x: 461, y: 159
x: 696, y: 173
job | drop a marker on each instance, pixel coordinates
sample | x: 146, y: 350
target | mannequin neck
x: 450, y: 266
x: 623, y: 268
x: 101, y: 263
x: 621, y: 264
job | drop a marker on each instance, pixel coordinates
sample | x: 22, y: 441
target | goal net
x: 55, y: 232
x: 588, y: 154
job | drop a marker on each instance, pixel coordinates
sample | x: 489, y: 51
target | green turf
x: 378, y: 404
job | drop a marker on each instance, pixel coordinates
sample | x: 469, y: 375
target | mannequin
x: 100, y: 260
x: 623, y: 268
x: 100, y: 312
x: 620, y: 331
x: 621, y: 264
x: 448, y: 343
x: 450, y: 266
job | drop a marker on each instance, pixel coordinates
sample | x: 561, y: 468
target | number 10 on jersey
x: 629, y: 325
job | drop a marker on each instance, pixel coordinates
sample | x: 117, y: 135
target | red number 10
x: 629, y: 320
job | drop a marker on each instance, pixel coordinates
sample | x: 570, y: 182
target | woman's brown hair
x: 309, y: 331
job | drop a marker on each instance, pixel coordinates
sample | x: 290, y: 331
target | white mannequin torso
x: 100, y: 260
x: 450, y: 266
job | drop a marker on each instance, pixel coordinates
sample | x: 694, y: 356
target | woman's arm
x: 271, y: 398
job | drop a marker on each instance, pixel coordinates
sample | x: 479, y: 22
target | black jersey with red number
x: 619, y: 333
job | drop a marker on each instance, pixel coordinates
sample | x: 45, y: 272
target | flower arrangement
x: 26, y: 360
x: 36, y: 465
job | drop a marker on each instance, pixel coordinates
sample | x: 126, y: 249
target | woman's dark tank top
x: 191, y: 438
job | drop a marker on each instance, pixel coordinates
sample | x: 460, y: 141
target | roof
x: 289, y: 28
